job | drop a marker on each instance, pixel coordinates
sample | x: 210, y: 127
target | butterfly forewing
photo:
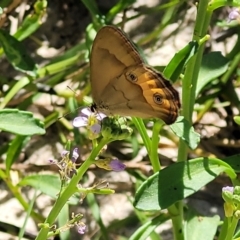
x: 111, y: 54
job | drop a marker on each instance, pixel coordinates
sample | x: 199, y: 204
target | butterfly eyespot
x: 131, y: 77
x: 158, y: 98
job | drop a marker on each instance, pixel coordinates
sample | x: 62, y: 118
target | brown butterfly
x: 122, y: 84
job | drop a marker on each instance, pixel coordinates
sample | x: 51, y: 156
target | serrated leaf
x: 177, y: 182
x: 186, y: 132
x: 16, y: 54
x: 20, y: 122
x: 47, y: 184
x: 213, y: 65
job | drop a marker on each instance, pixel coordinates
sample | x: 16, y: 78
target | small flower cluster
x: 110, y: 129
x: 99, y: 123
x: 75, y: 221
x: 115, y: 129
x: 67, y: 165
x: 231, y: 196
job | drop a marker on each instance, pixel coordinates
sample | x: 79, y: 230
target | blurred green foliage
x: 44, y: 80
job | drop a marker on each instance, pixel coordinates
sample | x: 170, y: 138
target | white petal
x: 96, y: 128
x: 86, y: 111
x: 75, y: 154
x: 80, y: 122
x: 100, y: 116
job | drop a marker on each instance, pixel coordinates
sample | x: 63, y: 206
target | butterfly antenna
x: 76, y: 94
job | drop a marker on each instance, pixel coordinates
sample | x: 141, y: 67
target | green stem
x: 177, y: 220
x: 151, y: 145
x: 143, y: 132
x: 224, y: 229
x: 155, y: 161
x: 234, y: 64
x: 188, y: 99
x: 70, y: 190
x: 192, y: 70
x: 214, y: 4
x: 231, y: 229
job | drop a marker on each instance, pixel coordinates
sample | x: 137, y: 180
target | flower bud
x: 236, y: 199
x: 237, y: 214
x: 236, y: 190
x: 227, y: 193
x: 115, y: 129
x: 228, y: 209
x: 110, y: 164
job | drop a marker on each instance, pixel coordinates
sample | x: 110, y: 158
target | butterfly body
x: 122, y: 84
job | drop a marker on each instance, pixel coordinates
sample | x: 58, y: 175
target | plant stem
x: 70, y: 190
x: 188, y: 98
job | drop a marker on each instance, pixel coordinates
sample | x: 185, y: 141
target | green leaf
x: 119, y: 7
x: 14, y: 150
x: 200, y: 227
x: 98, y: 19
x: 15, y: 88
x: 177, y: 182
x: 20, y: 122
x: 90, y: 35
x: 213, y: 65
x: 234, y: 162
x: 47, y: 184
x: 92, y: 203
x: 146, y: 229
x: 32, y: 22
x: 16, y: 54
x: 180, y: 59
x: 62, y: 217
x: 186, y: 132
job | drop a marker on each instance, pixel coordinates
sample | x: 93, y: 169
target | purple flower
x: 110, y: 164
x: 81, y: 228
x: 75, y: 155
x: 67, y: 165
x: 117, y: 165
x: 228, y: 189
x: 82, y: 120
x: 96, y: 128
x: 234, y: 15
x: 87, y: 117
x: 227, y: 194
x: 51, y: 161
x: 92, y: 121
x: 64, y: 153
